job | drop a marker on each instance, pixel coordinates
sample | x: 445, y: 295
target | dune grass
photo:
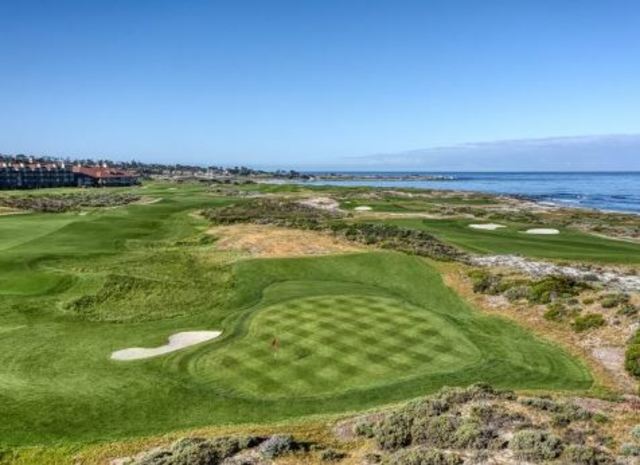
x: 568, y: 245
x: 300, y: 336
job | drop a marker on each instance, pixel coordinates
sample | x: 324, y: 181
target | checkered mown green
x: 331, y: 343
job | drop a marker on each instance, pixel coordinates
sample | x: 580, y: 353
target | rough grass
x: 352, y: 331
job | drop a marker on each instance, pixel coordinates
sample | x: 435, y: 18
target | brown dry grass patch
x: 267, y: 241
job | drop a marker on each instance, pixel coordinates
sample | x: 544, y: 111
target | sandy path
x: 176, y: 342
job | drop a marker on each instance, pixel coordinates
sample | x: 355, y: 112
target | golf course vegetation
x: 568, y: 245
x: 300, y: 336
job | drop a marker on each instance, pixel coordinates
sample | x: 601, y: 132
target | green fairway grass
x: 301, y: 336
x: 568, y: 245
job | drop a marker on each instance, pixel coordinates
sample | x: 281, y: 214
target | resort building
x: 29, y: 175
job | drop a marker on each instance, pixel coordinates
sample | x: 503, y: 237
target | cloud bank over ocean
x: 581, y: 153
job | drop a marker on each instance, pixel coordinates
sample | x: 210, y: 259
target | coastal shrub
x: 632, y: 355
x: 57, y: 203
x: 435, y: 431
x: 278, y: 445
x: 588, y: 301
x: 540, y: 403
x: 372, y: 458
x: 630, y: 450
x: 424, y: 456
x: 473, y: 434
x: 364, y: 429
x: 587, y: 322
x: 331, y: 455
x: 552, y: 288
x: 628, y: 310
x: 477, y: 391
x: 496, y: 416
x: 486, y: 283
x: 557, y: 312
x: 393, y: 432
x: 614, y: 300
x: 635, y: 433
x: 198, y: 451
x: 585, y: 455
x: 287, y: 213
x: 563, y: 412
x: 516, y: 293
x: 535, y: 445
x: 426, y: 408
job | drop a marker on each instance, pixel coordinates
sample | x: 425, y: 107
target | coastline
x: 598, y: 192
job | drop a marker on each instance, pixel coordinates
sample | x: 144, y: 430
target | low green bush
x: 587, y: 322
x: 632, y: 355
x: 331, y: 455
x: 423, y: 456
x: 57, y: 203
x: 585, y: 455
x: 535, y: 445
x: 364, y: 429
x: 198, y: 451
x: 495, y: 416
x: 277, y: 446
x: 473, y: 434
x: 435, y: 431
x: 516, y: 293
x: 557, y: 312
x: 628, y: 310
x: 552, y: 288
x: 630, y: 450
x: 613, y: 300
x: 393, y: 432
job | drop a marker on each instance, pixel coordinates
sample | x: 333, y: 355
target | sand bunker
x: 487, y: 227
x: 363, y: 208
x: 272, y: 241
x: 322, y: 203
x: 176, y: 342
x: 543, y: 231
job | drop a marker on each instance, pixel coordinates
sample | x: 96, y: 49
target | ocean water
x: 602, y: 191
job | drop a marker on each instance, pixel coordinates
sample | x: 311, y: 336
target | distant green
x: 568, y: 245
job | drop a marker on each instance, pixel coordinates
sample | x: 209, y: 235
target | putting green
x: 328, y: 344
x: 299, y: 336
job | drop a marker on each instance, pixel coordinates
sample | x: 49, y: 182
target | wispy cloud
x: 614, y: 152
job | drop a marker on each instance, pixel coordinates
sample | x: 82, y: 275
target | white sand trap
x: 543, y: 231
x: 487, y: 227
x: 176, y: 342
x: 363, y: 208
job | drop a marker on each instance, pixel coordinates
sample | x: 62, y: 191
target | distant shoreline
x: 600, y: 191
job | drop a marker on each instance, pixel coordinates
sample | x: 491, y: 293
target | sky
x: 317, y: 84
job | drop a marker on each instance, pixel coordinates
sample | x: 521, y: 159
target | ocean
x: 602, y: 191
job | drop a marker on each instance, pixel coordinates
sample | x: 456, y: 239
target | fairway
x: 513, y: 239
x: 300, y: 336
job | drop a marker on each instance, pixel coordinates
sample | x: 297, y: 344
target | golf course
x: 299, y: 336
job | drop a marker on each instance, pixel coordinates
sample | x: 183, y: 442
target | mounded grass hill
x: 301, y: 336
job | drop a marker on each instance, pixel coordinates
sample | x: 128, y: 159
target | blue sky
x: 310, y: 83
